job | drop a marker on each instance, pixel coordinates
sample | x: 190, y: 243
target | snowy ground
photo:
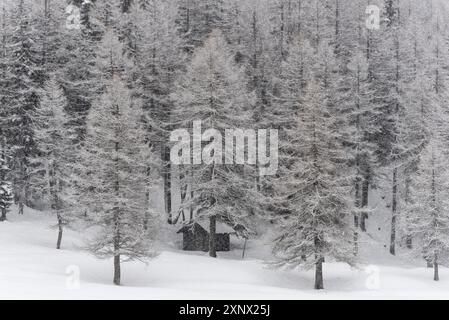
x: 30, y: 268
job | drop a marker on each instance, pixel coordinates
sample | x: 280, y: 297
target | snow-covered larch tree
x: 5, y: 95
x: 23, y: 76
x: 313, y: 191
x: 428, y: 213
x: 213, y: 91
x: 52, y: 137
x: 6, y: 198
x: 153, y: 47
x: 115, y: 184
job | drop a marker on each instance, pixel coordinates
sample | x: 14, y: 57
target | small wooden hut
x: 196, y: 237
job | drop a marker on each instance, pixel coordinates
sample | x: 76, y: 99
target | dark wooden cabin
x: 195, y: 237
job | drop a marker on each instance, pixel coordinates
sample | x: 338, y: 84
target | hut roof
x: 221, y: 227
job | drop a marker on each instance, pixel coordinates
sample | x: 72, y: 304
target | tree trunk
x: 394, y: 213
x: 319, y: 274
x: 117, y: 248
x: 191, y: 208
x: 436, y: 276
x: 117, y: 269
x: 61, y: 229
x: 212, y: 229
x: 356, y: 234
x: 365, y: 194
x: 167, y: 183
x: 191, y: 196
x: 147, y: 198
x: 184, y: 186
x: 2, y: 173
x: 408, y: 236
x: 117, y: 225
x: 363, y: 218
x: 44, y: 44
x: 244, y: 249
x: 24, y: 188
x: 356, y: 216
x: 409, y: 241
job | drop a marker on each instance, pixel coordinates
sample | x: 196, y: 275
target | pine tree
x: 258, y: 61
x: 86, y: 8
x: 24, y: 74
x: 53, y: 138
x: 419, y: 91
x: 5, y: 159
x: 428, y: 213
x: 351, y: 84
x: 115, y: 186
x: 213, y: 91
x: 426, y: 93
x: 154, y: 50
x: 49, y: 36
x: 198, y: 18
x: 113, y: 181
x: 76, y: 69
x: 283, y: 26
x: 6, y: 195
x: 313, y: 191
x: 415, y: 95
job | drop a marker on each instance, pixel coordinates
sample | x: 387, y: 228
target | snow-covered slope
x: 30, y: 267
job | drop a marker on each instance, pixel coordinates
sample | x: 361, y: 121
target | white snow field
x: 30, y: 268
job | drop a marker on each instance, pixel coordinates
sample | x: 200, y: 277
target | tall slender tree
x: 52, y: 135
x: 428, y: 214
x: 5, y: 156
x: 213, y: 91
x: 24, y: 72
x: 312, y: 191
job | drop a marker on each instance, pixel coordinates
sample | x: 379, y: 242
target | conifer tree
x: 113, y: 181
x: 5, y: 157
x: 428, y: 214
x: 53, y: 137
x: 23, y: 76
x: 313, y: 191
x: 213, y: 91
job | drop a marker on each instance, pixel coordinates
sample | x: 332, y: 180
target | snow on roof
x: 221, y: 227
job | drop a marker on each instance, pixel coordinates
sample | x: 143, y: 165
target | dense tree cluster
x: 90, y: 93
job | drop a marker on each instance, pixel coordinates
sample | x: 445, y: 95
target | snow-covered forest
x: 357, y: 91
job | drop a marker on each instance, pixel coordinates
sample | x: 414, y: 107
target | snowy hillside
x: 30, y: 268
